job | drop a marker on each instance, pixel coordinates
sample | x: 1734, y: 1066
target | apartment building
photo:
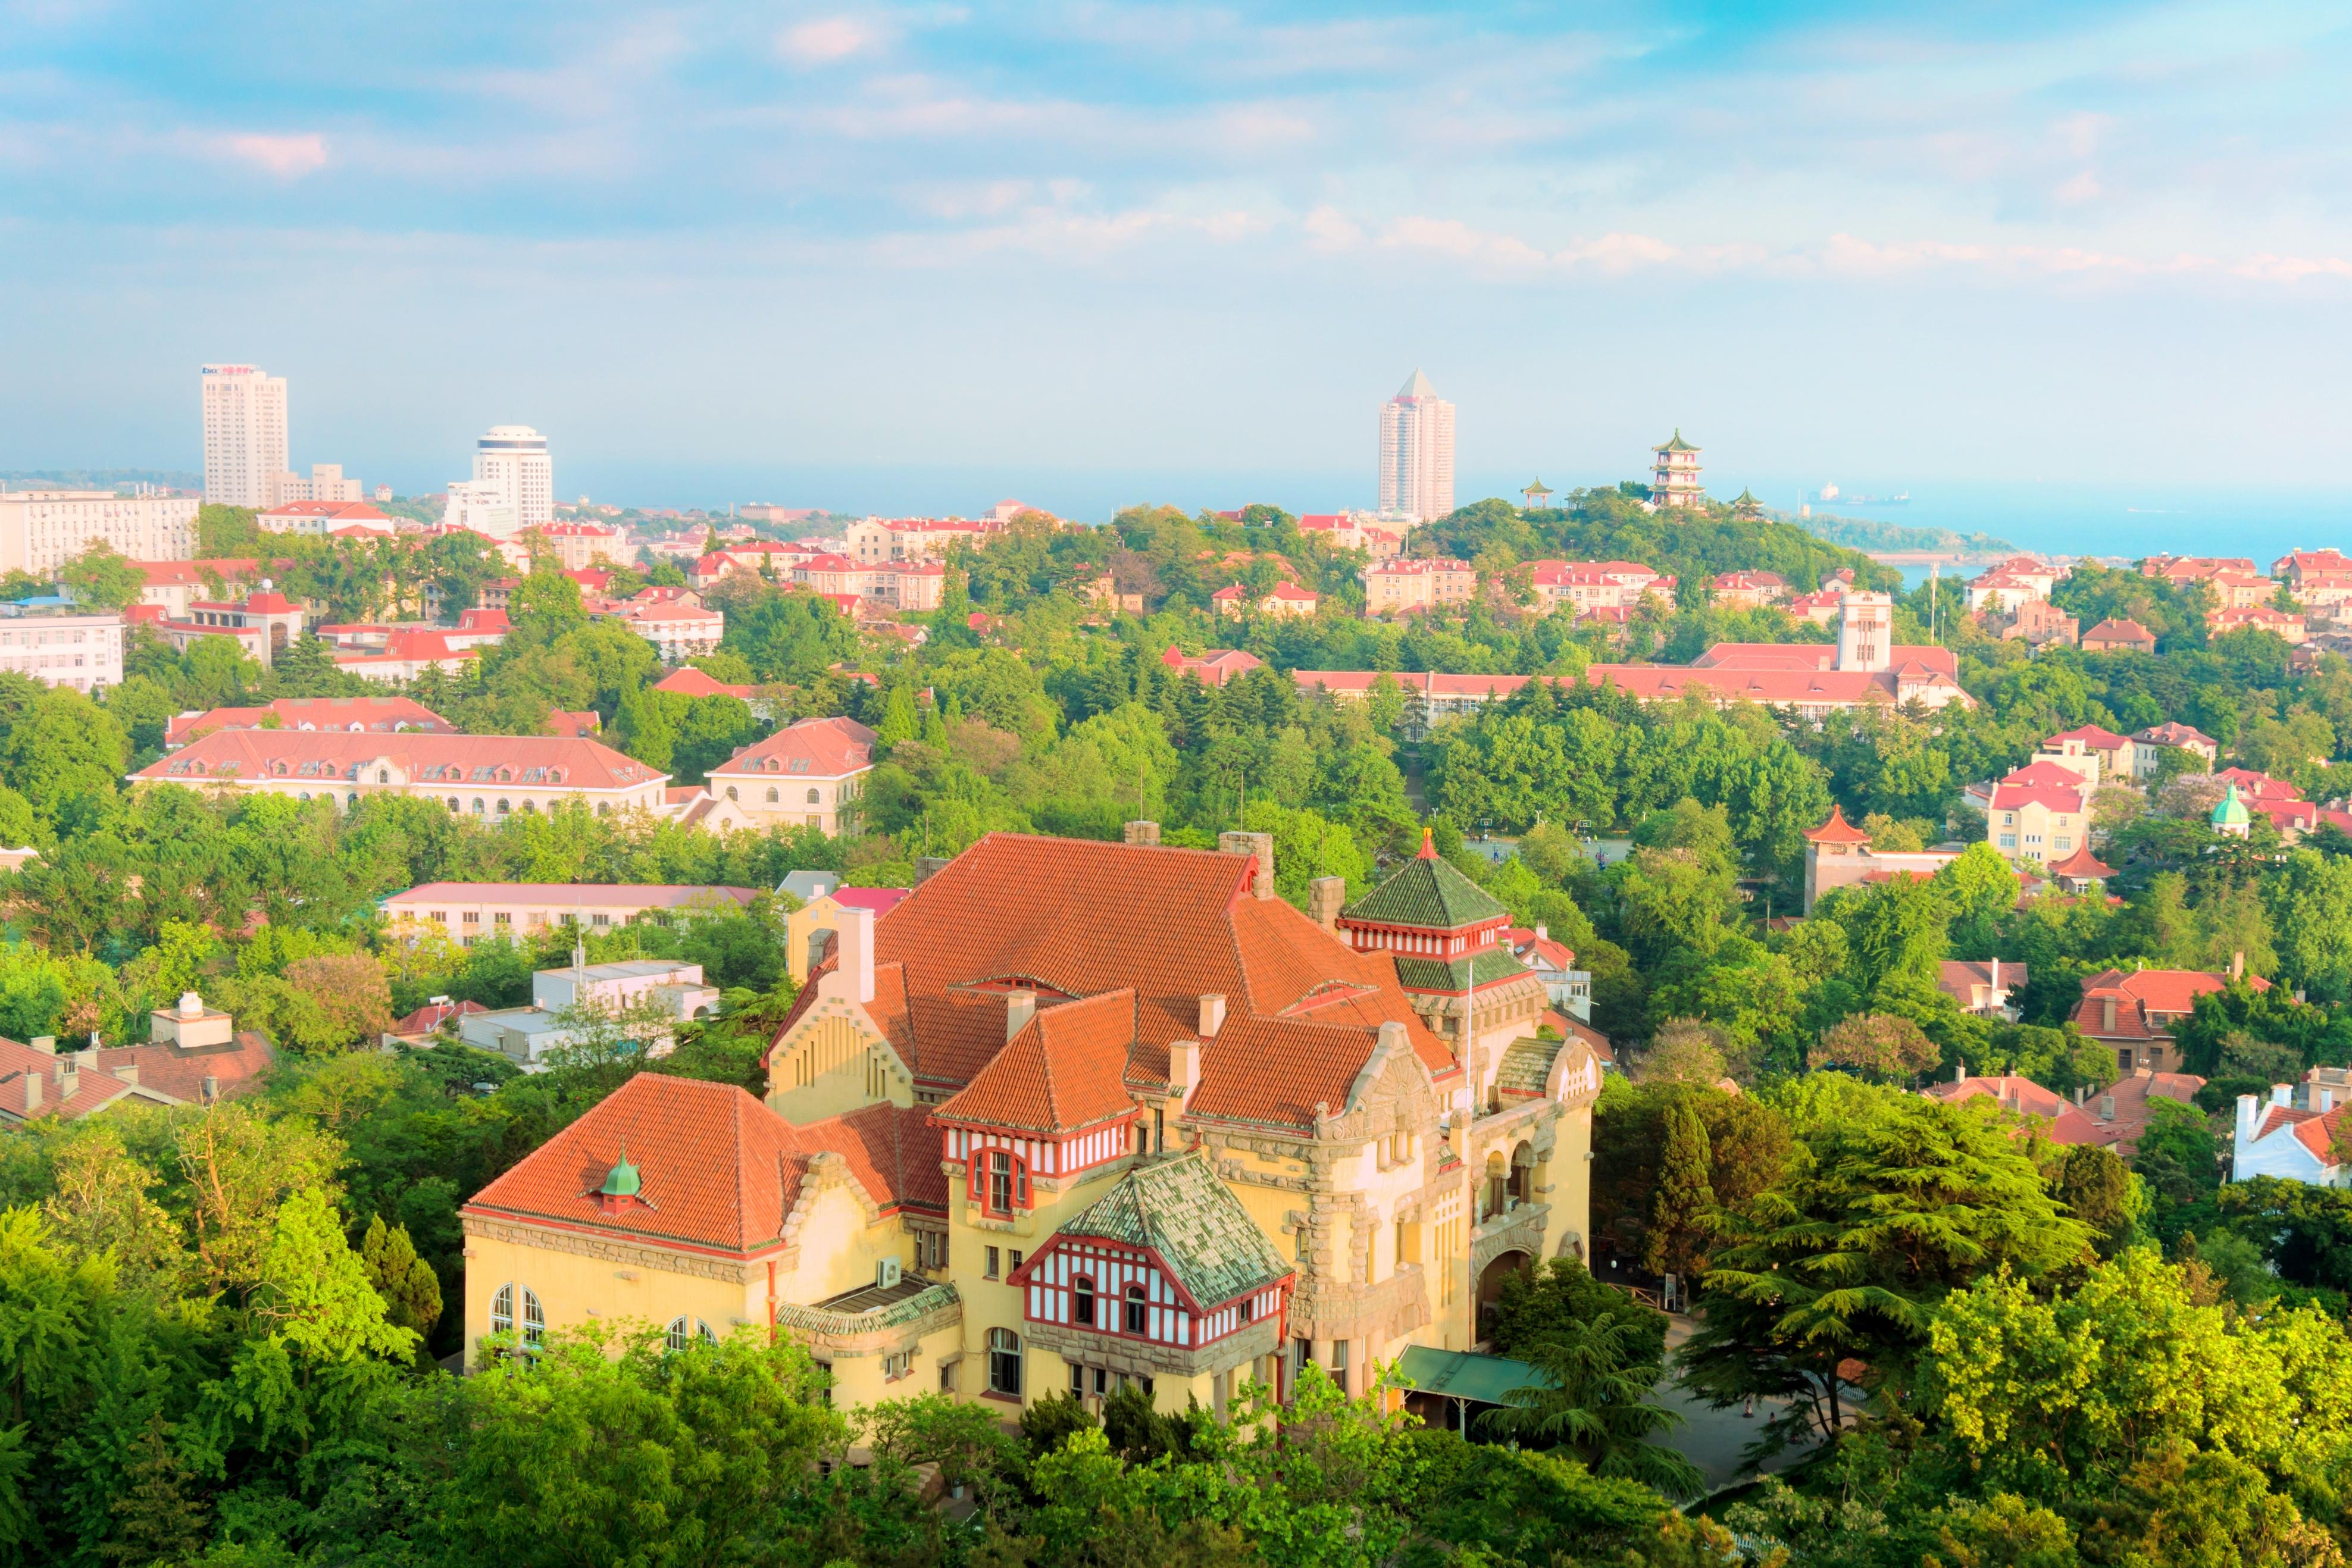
x: 468, y: 911
x: 890, y: 584
x: 57, y: 644
x: 245, y: 440
x: 808, y: 774
x: 1580, y: 586
x: 40, y: 530
x: 1403, y: 586
x: 1416, y: 453
x: 352, y: 716
x: 316, y: 519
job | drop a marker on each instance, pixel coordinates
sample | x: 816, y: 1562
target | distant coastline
x: 1890, y: 541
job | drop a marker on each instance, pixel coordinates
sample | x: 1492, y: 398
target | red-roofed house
x: 1213, y: 668
x: 196, y: 1055
x: 382, y: 715
x: 808, y: 774
x: 2257, y: 618
x: 173, y: 585
x: 2024, y: 1097
x: 2096, y: 755
x: 1838, y: 854
x: 2149, y: 744
x: 483, y: 776
x: 261, y: 624
x: 2320, y: 581
x: 1284, y: 599
x: 2131, y: 1010
x: 1583, y: 587
x: 2112, y: 636
x: 320, y: 518
x: 823, y: 914
x: 403, y: 653
x: 1748, y: 589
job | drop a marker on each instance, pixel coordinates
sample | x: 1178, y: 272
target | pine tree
x: 411, y: 1291
x: 159, y: 1518
x: 1678, y: 1212
x: 899, y: 722
x: 935, y: 728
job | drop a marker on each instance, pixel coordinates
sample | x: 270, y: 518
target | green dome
x: 621, y: 1181
x: 2232, y: 811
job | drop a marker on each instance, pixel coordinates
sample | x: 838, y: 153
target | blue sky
x: 918, y: 257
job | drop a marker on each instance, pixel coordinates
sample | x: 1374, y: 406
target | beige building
x: 1416, y: 453
x: 1078, y: 1116
x: 1402, y: 587
x: 579, y: 546
x: 468, y: 911
x: 245, y: 440
x: 40, y: 530
x: 808, y: 774
x: 326, y: 482
x: 487, y: 777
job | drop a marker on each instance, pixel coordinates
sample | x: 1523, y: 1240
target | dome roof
x: 2230, y: 811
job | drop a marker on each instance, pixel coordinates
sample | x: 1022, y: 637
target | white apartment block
x: 245, y: 434
x: 62, y: 648
x: 40, y: 530
x: 513, y: 458
x: 326, y: 482
x: 482, y: 506
x: 1417, y: 453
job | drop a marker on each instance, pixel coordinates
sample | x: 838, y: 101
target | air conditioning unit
x: 885, y: 1273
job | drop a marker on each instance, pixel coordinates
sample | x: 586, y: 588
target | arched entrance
x: 1490, y: 1284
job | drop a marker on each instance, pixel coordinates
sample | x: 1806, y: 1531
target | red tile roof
x: 1078, y: 918
x: 814, y: 748
x: 1837, y: 830
x: 2081, y: 863
x: 2092, y: 737
x: 433, y: 1015
x: 1064, y: 1071
x: 693, y: 682
x: 2138, y: 993
x: 557, y: 895
x: 358, y: 714
x: 250, y: 754
x: 2126, y: 631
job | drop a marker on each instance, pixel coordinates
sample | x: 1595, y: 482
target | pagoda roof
x: 1676, y: 444
x: 1429, y: 894
x: 1537, y: 488
x: 1746, y: 498
x: 2081, y: 865
x: 1837, y: 830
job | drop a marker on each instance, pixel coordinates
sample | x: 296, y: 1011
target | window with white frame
x: 1004, y: 1362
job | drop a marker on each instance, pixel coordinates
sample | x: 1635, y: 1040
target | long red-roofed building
x: 487, y: 777
x: 383, y: 716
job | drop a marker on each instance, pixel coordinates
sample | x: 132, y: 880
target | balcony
x: 859, y: 1319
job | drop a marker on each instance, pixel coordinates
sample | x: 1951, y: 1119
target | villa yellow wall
x: 574, y: 1290
x: 833, y: 1065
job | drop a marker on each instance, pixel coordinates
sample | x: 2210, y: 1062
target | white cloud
x: 287, y: 157
x: 826, y: 40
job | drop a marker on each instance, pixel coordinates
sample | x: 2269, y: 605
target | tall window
x: 1004, y: 1362
x: 532, y: 1320
x: 1082, y: 1301
x: 684, y: 1332
x: 1340, y: 1364
x: 1138, y: 1315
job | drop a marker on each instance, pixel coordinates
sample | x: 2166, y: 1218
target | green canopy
x: 1463, y: 1375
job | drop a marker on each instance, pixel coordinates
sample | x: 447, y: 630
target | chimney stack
x: 128, y: 1073
x: 2237, y: 966
x: 1146, y: 833
x: 2107, y: 1014
x: 1324, y: 896
x: 929, y: 866
x: 2282, y: 1094
x: 69, y: 1081
x: 47, y: 1045
x: 853, y: 939
x: 1258, y: 844
x: 33, y: 1082
x: 211, y: 1089
x: 1020, y: 1007
x: 1183, y: 1068
x: 1213, y: 1015
x: 1960, y: 1073
x: 2247, y: 1110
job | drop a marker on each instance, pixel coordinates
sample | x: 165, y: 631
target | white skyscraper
x: 513, y: 458
x: 244, y: 435
x: 1417, y: 453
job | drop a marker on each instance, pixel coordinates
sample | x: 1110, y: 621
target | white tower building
x: 513, y: 458
x: 245, y: 434
x: 1865, y: 630
x: 1417, y: 453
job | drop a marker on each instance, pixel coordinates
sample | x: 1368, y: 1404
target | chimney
x: 69, y: 1081
x: 2078, y: 1096
x: 1960, y: 1073
x: 1258, y: 844
x: 1020, y: 1007
x: 2282, y: 1094
x: 1996, y: 982
x: 47, y: 1045
x: 1542, y: 935
x: 2246, y: 1112
x: 86, y: 1058
x: 128, y: 1073
x: 1213, y: 1015
x: 854, y: 940
x: 1325, y: 895
x: 928, y: 866
x: 1145, y: 833
x: 1183, y: 1068
x: 212, y: 1089
x: 33, y: 1082
x: 2108, y: 1015
x: 2106, y: 1107
x: 2237, y: 966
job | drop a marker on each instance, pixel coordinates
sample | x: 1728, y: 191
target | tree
x: 102, y: 578
x: 1876, y: 1045
x: 1595, y: 1403
x: 1684, y: 1050
x: 161, y: 1517
x: 64, y: 754
x: 1890, y: 1202
x: 2098, y: 1189
x: 411, y: 1296
x: 314, y: 1294
x: 1680, y: 1212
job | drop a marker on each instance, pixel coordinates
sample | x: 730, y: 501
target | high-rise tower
x: 245, y: 434
x: 513, y: 457
x: 1417, y: 453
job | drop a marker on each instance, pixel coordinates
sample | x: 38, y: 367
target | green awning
x: 1463, y: 1375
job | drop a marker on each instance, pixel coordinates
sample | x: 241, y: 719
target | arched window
x: 1082, y: 1301
x: 478, y: 805
x: 1139, y: 1314
x: 504, y: 808
x: 812, y: 798
x: 532, y: 1322
x: 303, y: 796
x: 503, y: 1310
x: 603, y: 808
x: 455, y: 805
x: 383, y: 775
x: 1004, y: 1362
x: 684, y: 1332
x: 772, y: 798
x: 352, y: 798
x: 730, y: 791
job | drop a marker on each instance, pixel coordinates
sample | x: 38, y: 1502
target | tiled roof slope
x: 718, y: 1170
x: 1483, y: 967
x: 1066, y: 1070
x: 1179, y: 1209
x: 1077, y: 918
x: 332, y: 754
x: 1427, y: 893
x: 821, y: 747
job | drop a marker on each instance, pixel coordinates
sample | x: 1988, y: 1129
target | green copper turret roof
x: 1678, y: 444
x: 1746, y: 501
x: 621, y: 1181
x: 2230, y: 811
x: 1181, y: 1209
x: 1452, y: 976
x: 1427, y: 893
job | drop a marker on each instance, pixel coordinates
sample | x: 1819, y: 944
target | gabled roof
x: 239, y: 755
x: 1181, y: 1209
x: 2138, y: 992
x: 2114, y: 631
x: 2091, y: 736
x: 2081, y: 863
x: 1428, y: 893
x: 1064, y: 1070
x: 814, y: 748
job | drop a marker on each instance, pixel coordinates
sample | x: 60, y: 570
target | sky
x: 918, y: 257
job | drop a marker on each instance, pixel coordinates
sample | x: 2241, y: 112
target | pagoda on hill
x: 1445, y: 931
x: 1675, y: 481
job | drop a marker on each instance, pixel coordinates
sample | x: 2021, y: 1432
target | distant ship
x: 1831, y: 495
